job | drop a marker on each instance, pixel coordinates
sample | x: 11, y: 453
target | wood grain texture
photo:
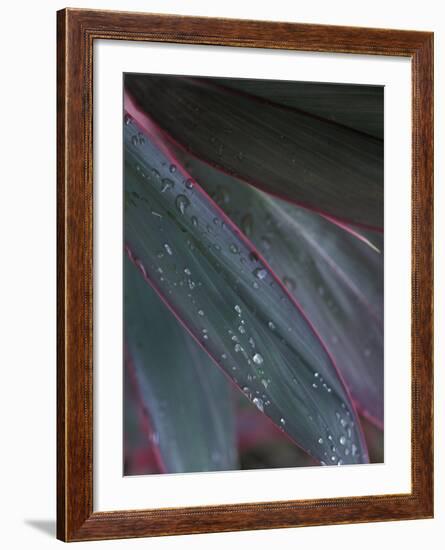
x: 76, y: 31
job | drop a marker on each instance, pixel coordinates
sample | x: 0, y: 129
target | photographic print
x: 253, y: 274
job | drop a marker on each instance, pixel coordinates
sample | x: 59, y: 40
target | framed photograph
x: 245, y: 228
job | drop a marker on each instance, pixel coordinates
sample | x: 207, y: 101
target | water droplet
x: 346, y: 451
x: 314, y: 386
x: 237, y: 348
x: 182, y: 203
x: 172, y: 168
x: 201, y: 313
x: 155, y: 173
x: 342, y: 440
x: 282, y: 422
x: 187, y: 271
x: 289, y: 283
x: 258, y: 359
x: 134, y: 140
x: 333, y: 458
x: 189, y: 183
x: 320, y: 440
x: 255, y: 284
x: 223, y: 356
x: 194, y: 220
x: 241, y: 329
x: 247, y: 224
x: 167, y: 184
x: 340, y: 462
x: 168, y: 249
x: 141, y: 138
x: 271, y: 325
x: 260, y: 273
x: 265, y: 383
x: 233, y: 248
x: 353, y: 450
x: 258, y: 403
x: 238, y: 309
x: 252, y: 342
x: 127, y: 119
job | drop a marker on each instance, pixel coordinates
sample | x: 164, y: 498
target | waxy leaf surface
x: 226, y: 295
x: 186, y: 399
x: 318, y: 164
x: 335, y: 277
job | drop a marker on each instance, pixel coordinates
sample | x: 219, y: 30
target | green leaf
x: 290, y: 154
x: 358, y: 106
x: 226, y: 295
x: 185, y: 396
x: 337, y: 279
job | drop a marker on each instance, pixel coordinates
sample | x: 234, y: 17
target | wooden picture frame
x: 76, y: 32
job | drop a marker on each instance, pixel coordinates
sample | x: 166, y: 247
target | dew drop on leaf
x: 260, y: 273
x: 258, y: 403
x: 247, y: 224
x: 258, y: 359
x: 167, y: 184
x: 182, y: 203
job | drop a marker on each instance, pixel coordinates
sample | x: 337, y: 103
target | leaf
x: 141, y: 455
x: 357, y: 106
x: 337, y: 279
x: 228, y: 298
x: 317, y: 164
x: 186, y: 398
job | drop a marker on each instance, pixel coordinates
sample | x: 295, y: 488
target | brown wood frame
x: 76, y: 32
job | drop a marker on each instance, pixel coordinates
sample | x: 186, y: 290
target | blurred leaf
x: 312, y: 162
x: 141, y: 455
x: 337, y: 279
x: 374, y: 440
x: 225, y: 294
x: 185, y: 396
x: 357, y: 106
